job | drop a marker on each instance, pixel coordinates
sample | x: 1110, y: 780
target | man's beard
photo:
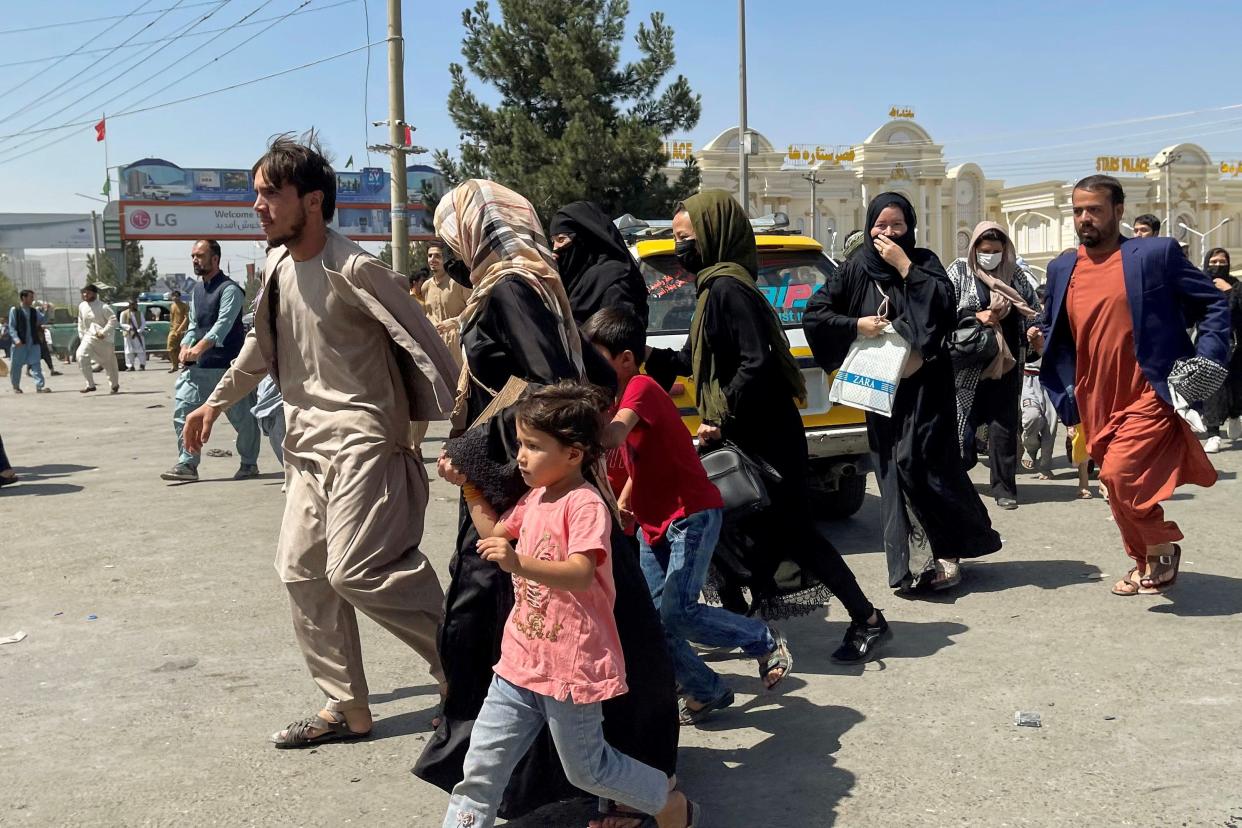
x: 199, y: 270
x: 294, y: 234
x: 1097, y: 235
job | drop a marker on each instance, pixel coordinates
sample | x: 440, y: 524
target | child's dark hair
x: 572, y: 412
x: 618, y: 330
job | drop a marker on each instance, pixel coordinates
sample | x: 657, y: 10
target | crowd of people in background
x: 564, y: 645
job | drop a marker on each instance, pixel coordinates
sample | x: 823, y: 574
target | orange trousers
x: 1144, y: 458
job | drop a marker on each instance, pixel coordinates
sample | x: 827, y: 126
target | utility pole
x: 94, y: 239
x: 1166, y: 162
x: 743, y: 163
x: 396, y: 135
x: 815, y: 180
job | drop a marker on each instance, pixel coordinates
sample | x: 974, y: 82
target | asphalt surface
x: 159, y: 656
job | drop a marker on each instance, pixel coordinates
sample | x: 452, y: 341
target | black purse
x: 972, y: 343
x: 742, y: 481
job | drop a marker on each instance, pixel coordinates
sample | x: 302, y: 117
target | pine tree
x: 572, y: 122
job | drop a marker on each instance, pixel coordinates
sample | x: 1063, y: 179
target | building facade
x: 901, y: 156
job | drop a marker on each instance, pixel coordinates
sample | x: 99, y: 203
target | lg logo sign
x: 141, y: 219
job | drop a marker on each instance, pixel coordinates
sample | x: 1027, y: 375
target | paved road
x: 160, y: 656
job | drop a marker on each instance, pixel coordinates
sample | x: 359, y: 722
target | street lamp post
x: 743, y: 163
x: 815, y: 181
x: 1203, y: 237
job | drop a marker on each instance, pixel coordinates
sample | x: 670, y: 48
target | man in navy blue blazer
x: 1118, y: 312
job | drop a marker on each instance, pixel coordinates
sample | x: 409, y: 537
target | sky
x: 1030, y: 91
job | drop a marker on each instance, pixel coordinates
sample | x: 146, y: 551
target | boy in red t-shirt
x: 678, y: 513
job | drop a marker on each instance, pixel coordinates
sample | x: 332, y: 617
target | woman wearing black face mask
x: 930, y: 511
x: 747, y: 384
x: 595, y: 266
x: 1224, y: 408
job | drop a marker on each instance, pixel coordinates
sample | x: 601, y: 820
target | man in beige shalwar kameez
x: 445, y: 299
x: 356, y: 361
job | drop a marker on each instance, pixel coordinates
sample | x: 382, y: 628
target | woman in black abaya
x: 930, y: 511
x: 595, y: 265
x: 518, y: 324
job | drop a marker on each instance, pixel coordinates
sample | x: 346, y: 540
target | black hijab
x: 596, y: 267
x: 868, y: 256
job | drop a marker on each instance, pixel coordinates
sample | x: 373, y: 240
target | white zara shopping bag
x: 872, y: 369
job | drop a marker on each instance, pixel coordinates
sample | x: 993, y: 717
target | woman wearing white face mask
x: 991, y: 287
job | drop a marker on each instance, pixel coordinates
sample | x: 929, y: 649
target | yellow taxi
x: 791, y: 268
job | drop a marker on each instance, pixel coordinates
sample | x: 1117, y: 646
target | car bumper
x: 839, y: 441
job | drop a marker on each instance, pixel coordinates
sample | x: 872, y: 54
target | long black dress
x: 512, y: 337
x: 764, y: 422
x: 915, y: 450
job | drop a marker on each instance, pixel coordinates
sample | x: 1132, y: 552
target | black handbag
x: 972, y: 343
x: 742, y: 481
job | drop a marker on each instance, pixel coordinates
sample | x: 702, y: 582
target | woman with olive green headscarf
x: 748, y: 384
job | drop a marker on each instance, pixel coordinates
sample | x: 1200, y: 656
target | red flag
x: 101, y: 129
x: 409, y: 136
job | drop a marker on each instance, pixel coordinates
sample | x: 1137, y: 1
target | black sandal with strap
x: 297, y: 735
x: 781, y: 658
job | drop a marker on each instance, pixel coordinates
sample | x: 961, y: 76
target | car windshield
x: 787, y: 279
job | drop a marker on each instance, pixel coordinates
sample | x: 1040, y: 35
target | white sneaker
x: 1233, y: 428
x: 1212, y: 446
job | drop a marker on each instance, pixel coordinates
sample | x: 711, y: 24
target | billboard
x: 159, y: 200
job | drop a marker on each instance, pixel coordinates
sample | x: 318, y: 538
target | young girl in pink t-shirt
x: 560, y: 654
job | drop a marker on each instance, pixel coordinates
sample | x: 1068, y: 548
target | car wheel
x: 836, y: 496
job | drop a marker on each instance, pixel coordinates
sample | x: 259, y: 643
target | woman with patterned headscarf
x: 518, y: 323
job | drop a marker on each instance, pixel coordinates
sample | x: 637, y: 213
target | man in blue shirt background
x: 26, y: 328
x: 211, y: 343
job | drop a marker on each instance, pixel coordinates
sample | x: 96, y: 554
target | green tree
x: 138, y: 278
x: 571, y: 122
x: 418, y: 256
x: 8, y: 295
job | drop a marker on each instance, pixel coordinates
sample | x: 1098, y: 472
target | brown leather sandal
x: 1129, y: 579
x: 1161, y: 572
x: 297, y: 735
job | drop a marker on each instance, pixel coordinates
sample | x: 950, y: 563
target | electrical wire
x: 46, y: 95
x: 187, y: 99
x: 134, y: 64
x: 63, y: 58
x: 86, y: 20
x: 366, y: 85
x: 250, y: 24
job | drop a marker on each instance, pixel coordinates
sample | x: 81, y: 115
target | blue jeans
x: 506, y: 727
x: 676, y: 569
x: 194, y: 386
x: 23, y: 356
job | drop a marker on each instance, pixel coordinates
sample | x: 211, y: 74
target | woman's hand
x: 449, y: 472
x: 708, y: 433
x: 892, y: 253
x: 871, y: 326
x: 986, y: 317
x: 500, y: 552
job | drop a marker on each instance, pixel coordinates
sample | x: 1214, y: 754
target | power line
x: 141, y: 60
x: 265, y: 3
x: 199, y: 96
x: 63, y: 58
x: 366, y: 84
x: 252, y: 23
x: 98, y: 19
x: 41, y: 98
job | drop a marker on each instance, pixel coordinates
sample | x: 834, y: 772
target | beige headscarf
x: 497, y: 234
x: 1005, y: 297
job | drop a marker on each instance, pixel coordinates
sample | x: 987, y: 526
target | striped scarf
x: 497, y: 234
